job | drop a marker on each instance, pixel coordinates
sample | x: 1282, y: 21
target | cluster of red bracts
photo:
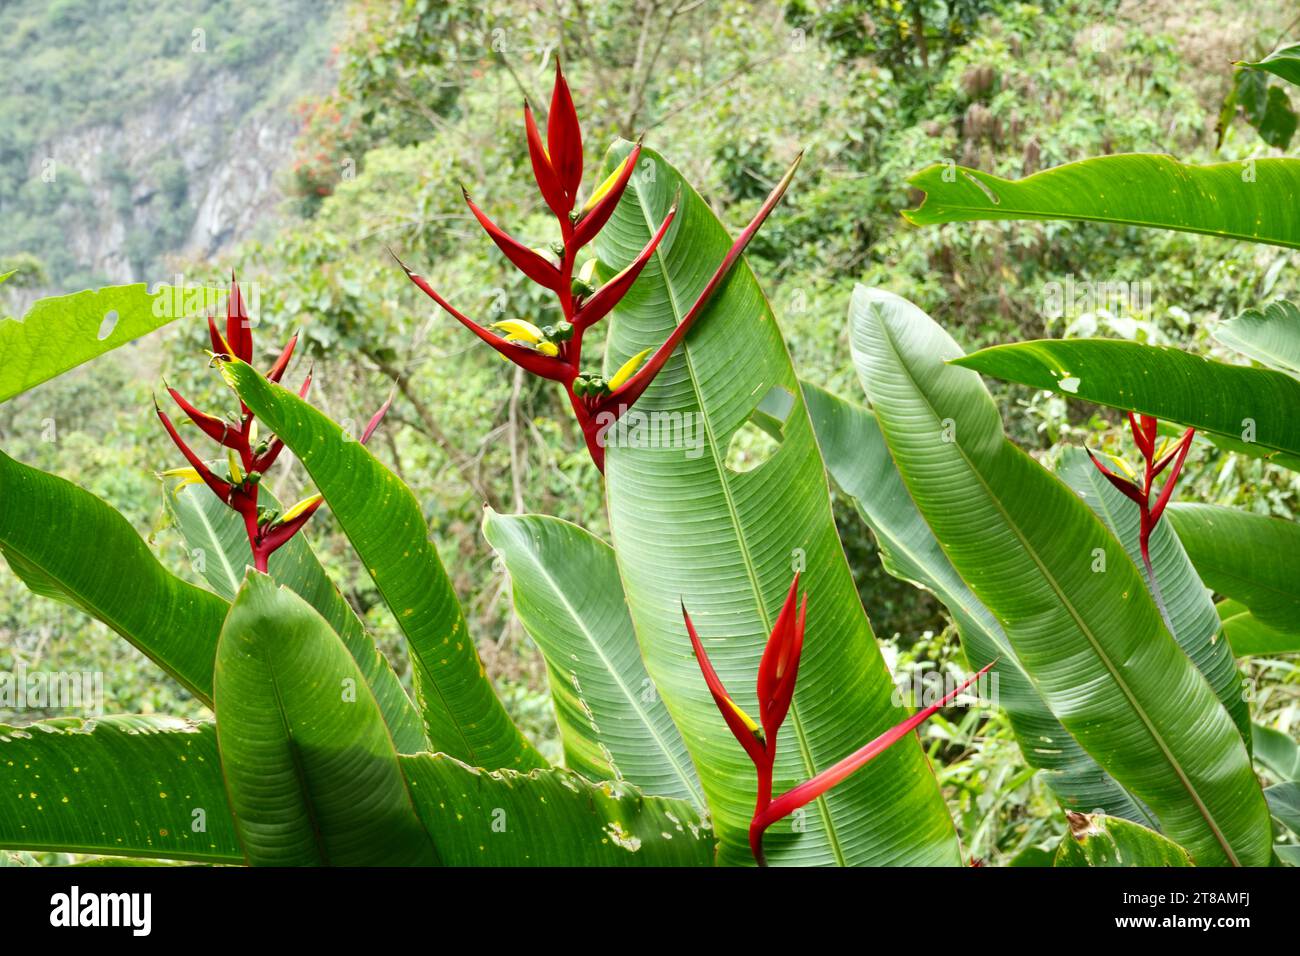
x: 555, y: 351
x: 777, y: 671
x: 1138, y: 489
x: 248, y: 458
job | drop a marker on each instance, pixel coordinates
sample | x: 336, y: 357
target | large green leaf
x: 1091, y: 640
x: 1249, y: 558
x: 1254, y: 408
x: 1284, y: 802
x: 217, y: 534
x: 1271, y: 336
x: 462, y: 713
x: 689, y: 528
x: 1277, y: 751
x: 1191, y: 609
x: 550, y: 818
x: 569, y: 597
x: 312, y: 773
x: 65, y: 543
x: 62, y: 332
x: 1251, y: 637
x: 126, y: 786
x: 1249, y: 200
x: 1095, y: 840
x: 1284, y: 62
x: 858, y: 459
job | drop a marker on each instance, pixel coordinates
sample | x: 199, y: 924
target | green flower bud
x: 559, y: 332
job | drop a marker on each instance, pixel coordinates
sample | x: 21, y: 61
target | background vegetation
x: 420, y: 95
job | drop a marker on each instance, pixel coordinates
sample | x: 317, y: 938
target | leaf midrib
x: 1051, y: 581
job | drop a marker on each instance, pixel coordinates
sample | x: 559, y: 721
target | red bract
x: 247, y: 457
x: 1139, y: 491
x: 775, y: 690
x: 555, y: 352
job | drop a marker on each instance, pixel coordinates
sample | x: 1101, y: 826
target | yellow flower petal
x: 518, y: 329
x: 599, y: 192
x: 1123, y: 466
x: 233, y: 460
x: 187, y: 476
x: 628, y: 368
x: 298, y: 509
x: 745, y: 718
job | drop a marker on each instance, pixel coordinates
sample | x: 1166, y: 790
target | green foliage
x: 427, y: 96
x: 859, y: 461
x: 44, y: 521
x: 1027, y: 545
x: 463, y: 716
x: 62, y: 332
x: 1097, y: 840
x: 569, y: 598
x: 309, y: 764
x: 688, y: 528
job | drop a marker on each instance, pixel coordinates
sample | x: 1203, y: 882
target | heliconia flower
x: 529, y: 359
x: 564, y: 136
x: 547, y: 179
x: 1138, y: 489
x: 279, y: 530
x: 185, y: 476
x: 215, y: 428
x: 376, y: 418
x: 247, y: 457
x: 221, y: 488
x: 239, y: 333
x: 604, y: 299
x: 603, y: 201
x: 528, y: 261
x: 777, y: 672
x: 518, y: 330
x: 276, y: 372
x: 555, y: 351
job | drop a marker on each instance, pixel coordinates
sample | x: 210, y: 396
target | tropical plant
x: 1090, y: 614
x: 317, y: 755
x: 1248, y: 560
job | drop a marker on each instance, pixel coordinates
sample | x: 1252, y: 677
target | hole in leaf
x: 759, y: 438
x: 984, y: 187
x: 107, y: 326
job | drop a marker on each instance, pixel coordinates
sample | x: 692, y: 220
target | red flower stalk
x: 248, y: 459
x: 1155, y: 460
x: 775, y: 689
x: 555, y: 351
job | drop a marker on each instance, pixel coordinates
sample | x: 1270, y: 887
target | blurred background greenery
x: 296, y: 141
